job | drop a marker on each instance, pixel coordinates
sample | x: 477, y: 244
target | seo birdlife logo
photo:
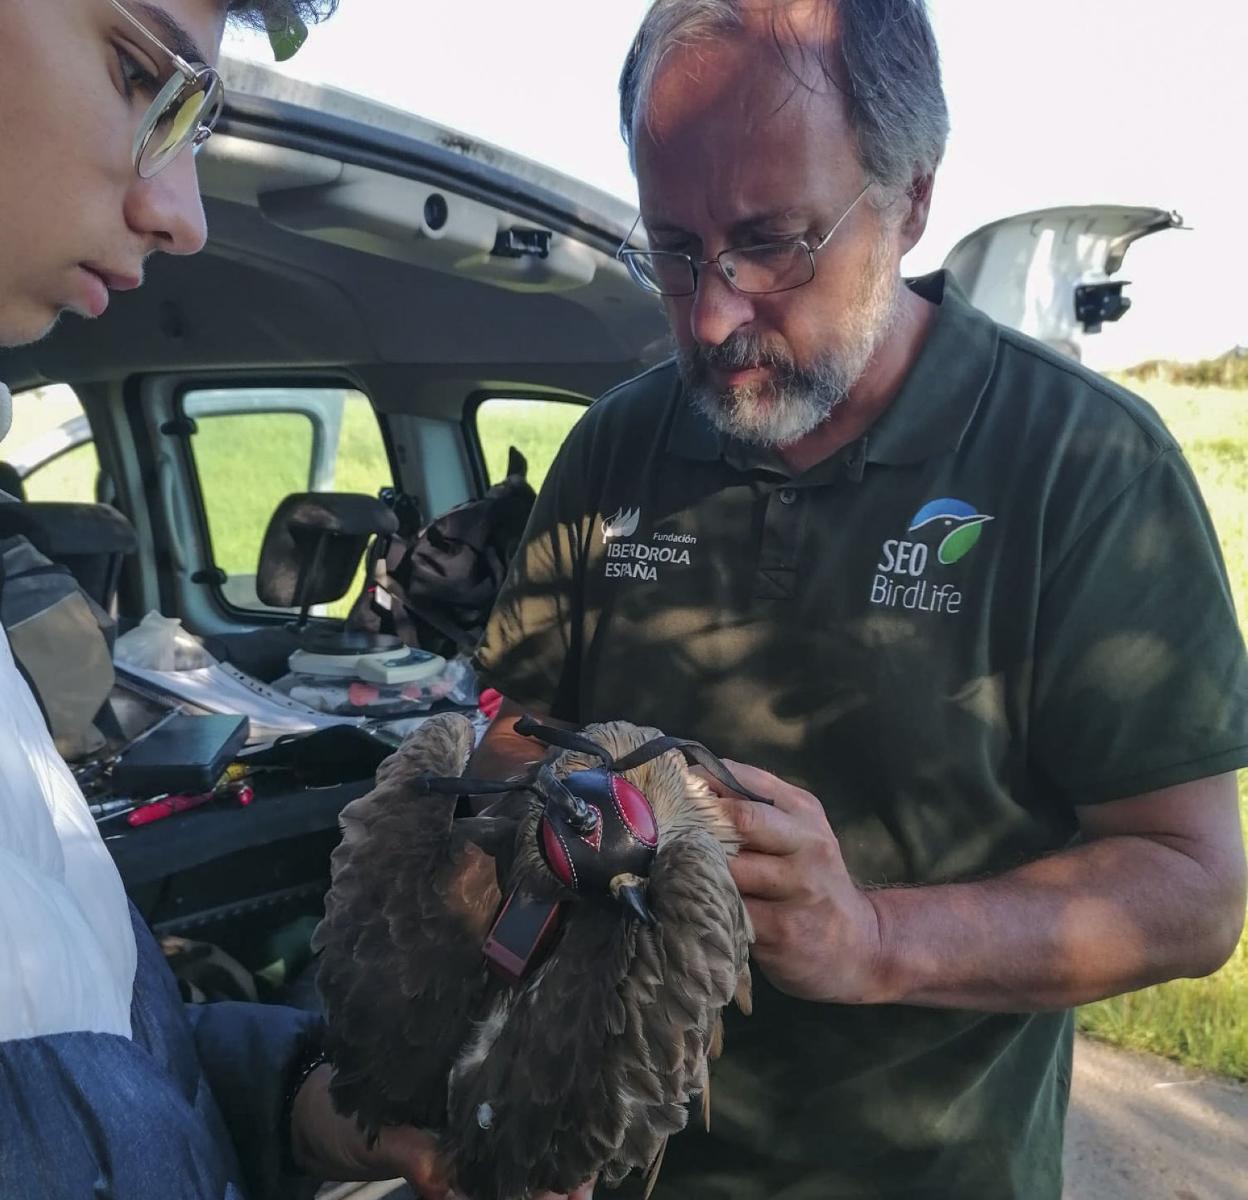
x: 940, y: 534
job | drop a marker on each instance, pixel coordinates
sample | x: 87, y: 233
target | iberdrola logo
x: 621, y: 523
x: 963, y: 523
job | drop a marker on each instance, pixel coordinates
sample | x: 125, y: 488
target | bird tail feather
x: 652, y: 1171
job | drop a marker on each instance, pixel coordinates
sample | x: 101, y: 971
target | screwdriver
x: 240, y: 794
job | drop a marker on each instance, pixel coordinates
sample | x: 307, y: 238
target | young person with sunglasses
x: 108, y: 1084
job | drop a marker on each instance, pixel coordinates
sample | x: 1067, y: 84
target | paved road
x: 1143, y: 1128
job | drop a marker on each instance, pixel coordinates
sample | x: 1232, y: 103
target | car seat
x: 11, y: 481
x: 90, y: 540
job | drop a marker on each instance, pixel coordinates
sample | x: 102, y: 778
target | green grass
x: 241, y: 489
x: 1200, y: 1022
x: 535, y: 427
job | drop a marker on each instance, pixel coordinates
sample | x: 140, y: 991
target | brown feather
x: 652, y: 1171
x: 400, y: 969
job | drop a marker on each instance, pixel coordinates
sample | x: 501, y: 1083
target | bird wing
x: 544, y: 1071
x: 693, y: 965
x: 401, y: 972
x: 589, y: 1067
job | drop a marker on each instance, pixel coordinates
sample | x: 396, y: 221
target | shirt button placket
x: 777, y: 575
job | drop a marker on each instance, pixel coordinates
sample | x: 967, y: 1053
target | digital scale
x: 406, y: 665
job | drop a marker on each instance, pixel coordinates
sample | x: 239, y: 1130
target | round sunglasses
x: 183, y: 112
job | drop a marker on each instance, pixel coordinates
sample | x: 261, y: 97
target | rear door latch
x: 522, y: 243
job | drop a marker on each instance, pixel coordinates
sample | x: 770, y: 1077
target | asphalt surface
x: 1143, y: 1128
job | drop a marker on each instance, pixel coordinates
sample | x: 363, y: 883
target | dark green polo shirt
x: 1004, y: 601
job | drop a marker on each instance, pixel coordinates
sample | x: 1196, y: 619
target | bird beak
x: 630, y: 892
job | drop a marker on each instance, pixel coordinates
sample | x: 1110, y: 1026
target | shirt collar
x: 939, y: 396
x: 930, y: 413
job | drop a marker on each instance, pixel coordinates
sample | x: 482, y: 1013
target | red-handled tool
x: 167, y: 806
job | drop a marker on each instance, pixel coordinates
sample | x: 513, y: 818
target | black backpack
x: 434, y: 586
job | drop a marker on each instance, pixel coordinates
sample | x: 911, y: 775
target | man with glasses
x: 960, y: 594
x: 107, y: 1085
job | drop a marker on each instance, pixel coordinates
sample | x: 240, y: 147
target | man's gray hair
x: 883, y: 60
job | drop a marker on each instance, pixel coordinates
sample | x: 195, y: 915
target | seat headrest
x: 341, y: 522
x: 11, y: 481
x: 63, y: 530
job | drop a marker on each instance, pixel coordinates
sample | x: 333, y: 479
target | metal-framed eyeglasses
x: 755, y: 270
x: 183, y: 112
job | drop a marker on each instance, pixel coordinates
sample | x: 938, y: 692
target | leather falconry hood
x: 598, y: 834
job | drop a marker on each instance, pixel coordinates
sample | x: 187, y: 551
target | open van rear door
x: 1048, y: 273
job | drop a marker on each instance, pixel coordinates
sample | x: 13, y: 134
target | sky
x: 1051, y: 102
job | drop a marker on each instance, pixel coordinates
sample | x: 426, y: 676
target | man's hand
x: 817, y: 935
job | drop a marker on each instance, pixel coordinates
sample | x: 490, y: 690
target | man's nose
x: 717, y: 309
x: 167, y: 210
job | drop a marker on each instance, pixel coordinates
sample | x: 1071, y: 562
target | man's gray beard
x: 796, y: 400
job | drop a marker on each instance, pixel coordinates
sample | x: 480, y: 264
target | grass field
x: 1201, y: 1022
x: 535, y: 427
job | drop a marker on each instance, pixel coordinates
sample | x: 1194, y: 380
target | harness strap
x: 464, y: 785
x: 696, y: 755
x: 565, y: 739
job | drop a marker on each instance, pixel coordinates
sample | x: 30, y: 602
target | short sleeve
x: 1139, y: 674
x: 532, y: 643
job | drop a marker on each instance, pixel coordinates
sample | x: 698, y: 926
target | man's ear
x: 919, y: 199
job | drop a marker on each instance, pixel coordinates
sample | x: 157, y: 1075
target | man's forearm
x: 1098, y: 919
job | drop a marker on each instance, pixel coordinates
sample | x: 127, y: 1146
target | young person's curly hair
x: 259, y: 13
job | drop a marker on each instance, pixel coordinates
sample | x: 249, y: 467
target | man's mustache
x: 740, y: 352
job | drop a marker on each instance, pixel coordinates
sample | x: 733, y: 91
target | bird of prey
x: 542, y: 983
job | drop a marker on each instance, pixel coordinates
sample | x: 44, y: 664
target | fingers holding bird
x: 817, y: 933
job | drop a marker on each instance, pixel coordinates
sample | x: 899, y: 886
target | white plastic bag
x: 159, y: 643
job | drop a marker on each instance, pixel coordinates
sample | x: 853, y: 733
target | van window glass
x: 50, y: 447
x: 535, y: 427
x: 253, y: 447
